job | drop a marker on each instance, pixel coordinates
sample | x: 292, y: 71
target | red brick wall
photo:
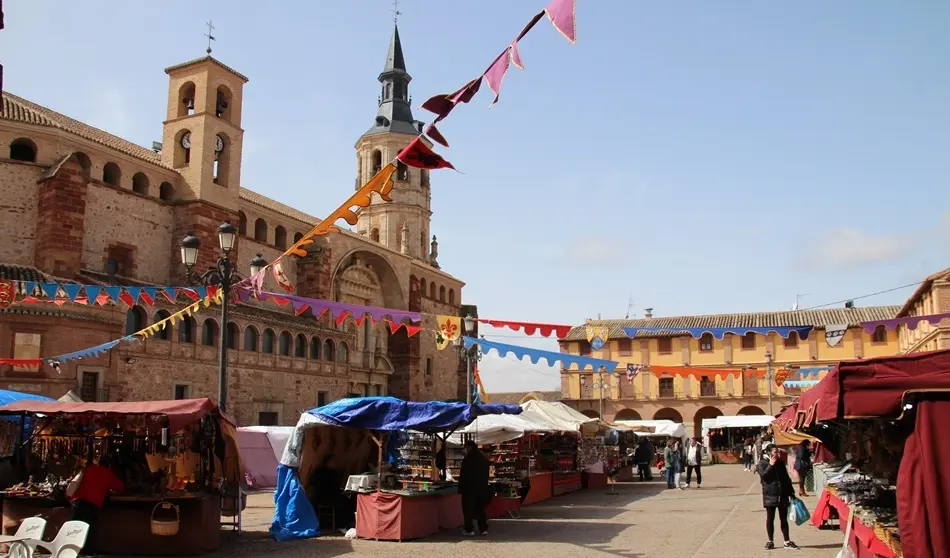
x: 60, y: 222
x: 314, y: 275
x: 201, y: 219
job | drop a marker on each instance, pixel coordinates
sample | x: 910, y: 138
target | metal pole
x: 601, y: 392
x: 769, y: 378
x: 468, y: 376
x: 225, y: 268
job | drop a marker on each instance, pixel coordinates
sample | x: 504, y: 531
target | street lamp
x: 471, y: 355
x: 769, y: 378
x: 222, y: 276
x: 600, y: 385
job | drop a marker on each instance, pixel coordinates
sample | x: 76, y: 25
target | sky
x: 693, y: 157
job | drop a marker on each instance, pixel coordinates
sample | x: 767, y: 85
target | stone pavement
x: 724, y: 519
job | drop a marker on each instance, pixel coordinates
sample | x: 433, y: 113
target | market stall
x: 261, y: 448
x: 886, y: 416
x: 725, y: 436
x: 172, y: 456
x: 558, y: 452
x: 657, y: 433
x: 402, y: 497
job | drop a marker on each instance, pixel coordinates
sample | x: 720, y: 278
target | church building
x: 80, y: 205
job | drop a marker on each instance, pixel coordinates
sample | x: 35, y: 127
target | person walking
x: 748, y: 455
x: 473, y: 486
x: 668, y: 463
x: 802, y: 465
x: 675, y: 465
x: 777, y: 492
x: 694, y: 462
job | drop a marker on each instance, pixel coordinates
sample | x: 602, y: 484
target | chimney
x: 648, y: 313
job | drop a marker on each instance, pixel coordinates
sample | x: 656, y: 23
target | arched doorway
x: 627, y: 414
x: 591, y: 413
x: 751, y: 410
x: 668, y: 413
x: 704, y: 413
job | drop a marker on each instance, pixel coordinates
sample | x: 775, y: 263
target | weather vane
x: 210, y: 36
x: 396, y: 12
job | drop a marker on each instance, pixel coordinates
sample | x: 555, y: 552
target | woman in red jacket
x: 97, y: 481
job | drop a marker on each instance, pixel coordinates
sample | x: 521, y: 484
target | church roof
x: 18, y: 109
x: 207, y: 58
x: 395, y: 61
x: 395, y: 114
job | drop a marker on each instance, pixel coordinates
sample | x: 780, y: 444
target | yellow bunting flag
x: 151, y: 330
x: 482, y: 394
x: 450, y: 328
x: 380, y: 184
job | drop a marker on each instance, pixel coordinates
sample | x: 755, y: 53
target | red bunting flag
x: 443, y: 104
x: 281, y: 277
x: 562, y: 16
x: 146, y: 299
x: 515, y: 55
x: 417, y: 154
x: 190, y: 293
x: 170, y: 296
x: 125, y: 297
x: 410, y: 329
x: 435, y: 135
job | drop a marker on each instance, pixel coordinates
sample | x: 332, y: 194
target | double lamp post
x: 222, y: 276
x: 471, y: 355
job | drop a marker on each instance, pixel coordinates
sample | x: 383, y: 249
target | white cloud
x: 850, y: 248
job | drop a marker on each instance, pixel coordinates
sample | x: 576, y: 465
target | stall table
x: 501, y: 507
x: 402, y: 516
x: 564, y: 483
x: 541, y: 488
x: 864, y: 542
x: 125, y: 524
x: 594, y: 480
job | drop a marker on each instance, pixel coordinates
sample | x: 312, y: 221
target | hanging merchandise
x: 535, y: 355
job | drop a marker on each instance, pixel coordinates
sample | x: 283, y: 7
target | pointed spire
x: 395, y: 113
x: 395, y: 61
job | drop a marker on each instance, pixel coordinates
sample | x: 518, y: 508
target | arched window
x: 140, y: 183
x: 222, y: 159
x: 182, y: 149
x: 388, y: 92
x: 135, y: 319
x: 315, y: 348
x: 451, y: 296
x: 260, y: 231
x: 329, y: 350
x: 250, y: 339
x: 234, y: 336
x: 442, y: 293
x: 268, y: 344
x: 343, y: 354
x: 280, y: 237
x: 186, y: 98
x: 166, y: 192
x: 22, y: 149
x: 283, y: 344
x: 879, y: 335
x: 242, y: 223
x: 111, y: 174
x: 222, y: 107
x: 377, y: 161
x: 422, y: 287
x: 432, y: 291
x: 402, y: 171
x: 706, y: 342
x: 186, y: 330
x: 164, y: 333
x: 297, y: 237
x: 84, y: 162
x: 374, y: 235
x: 209, y: 333
x: 300, y: 347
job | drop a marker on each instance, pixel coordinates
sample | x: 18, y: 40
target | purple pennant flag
x: 515, y: 55
x: 341, y: 308
x: 561, y: 14
x: 443, y: 104
x: 496, y: 73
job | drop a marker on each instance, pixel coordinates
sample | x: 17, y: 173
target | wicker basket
x: 165, y: 527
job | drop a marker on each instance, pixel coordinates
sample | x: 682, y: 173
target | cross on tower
x: 396, y: 12
x: 210, y: 36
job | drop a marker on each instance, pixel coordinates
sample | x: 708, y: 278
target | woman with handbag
x: 777, y: 492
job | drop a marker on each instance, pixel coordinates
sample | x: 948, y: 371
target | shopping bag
x: 74, y: 484
x: 793, y: 513
x: 801, y: 512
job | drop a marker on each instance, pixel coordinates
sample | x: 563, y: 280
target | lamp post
x: 769, y: 378
x: 600, y: 385
x: 471, y: 355
x: 221, y: 276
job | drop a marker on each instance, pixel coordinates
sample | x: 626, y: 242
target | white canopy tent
x: 495, y: 429
x: 557, y: 415
x: 661, y: 428
x: 738, y: 421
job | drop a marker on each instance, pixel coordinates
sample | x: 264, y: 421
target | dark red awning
x: 180, y: 413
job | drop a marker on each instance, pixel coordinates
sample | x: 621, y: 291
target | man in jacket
x: 777, y: 492
x: 694, y: 461
x: 473, y: 486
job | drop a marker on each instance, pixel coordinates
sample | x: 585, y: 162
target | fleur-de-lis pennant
x: 450, y: 328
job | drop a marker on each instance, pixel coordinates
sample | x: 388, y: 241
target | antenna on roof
x: 629, y: 307
x: 798, y: 300
x: 210, y: 36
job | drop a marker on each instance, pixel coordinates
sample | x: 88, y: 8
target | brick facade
x: 60, y: 222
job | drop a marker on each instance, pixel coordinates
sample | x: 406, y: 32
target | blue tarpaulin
x: 7, y: 396
x: 294, y: 517
x: 389, y: 413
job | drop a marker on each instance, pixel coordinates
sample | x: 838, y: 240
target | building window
x: 27, y: 345
x: 625, y: 347
x: 706, y: 342
x: 186, y: 330
x: 280, y: 237
x: 268, y: 344
x: 250, y: 339
x: 315, y: 349
x: 664, y: 345
x: 343, y: 354
x: 182, y: 391
x: 111, y: 174
x: 583, y: 348
x: 182, y: 149
x: 134, y: 320
x: 267, y: 418
x: 165, y: 332
x: 186, y: 98
x: 791, y: 342
x: 748, y: 341
x: 298, y: 237
x: 322, y: 398
x: 23, y: 149
x: 120, y: 260
x: 283, y: 344
x: 166, y: 192
x: 377, y: 161
x: 422, y: 287
x: 329, y: 350
x: 451, y: 296
x: 140, y: 183
x: 666, y: 387
x: 234, y: 336
x: 260, y: 231
x: 242, y: 223
x: 374, y: 235
x: 442, y: 293
x: 209, y: 333
x: 300, y: 347
x: 89, y: 386
x: 432, y: 290
x: 879, y: 335
x: 223, y: 103
x: 428, y: 367
x: 707, y: 387
x: 402, y: 171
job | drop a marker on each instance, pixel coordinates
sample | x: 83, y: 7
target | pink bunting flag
x: 496, y: 73
x: 561, y: 13
x: 443, y: 104
x: 515, y: 54
x: 281, y: 277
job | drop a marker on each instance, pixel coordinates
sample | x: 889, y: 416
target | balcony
x: 670, y: 393
x: 708, y: 390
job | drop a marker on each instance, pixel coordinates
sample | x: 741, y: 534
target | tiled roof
x: 205, y: 59
x: 515, y: 397
x: 921, y: 289
x: 817, y: 317
x: 276, y: 206
x: 22, y: 273
x: 17, y: 109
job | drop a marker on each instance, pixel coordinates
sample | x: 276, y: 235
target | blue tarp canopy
x: 7, y: 396
x: 389, y: 413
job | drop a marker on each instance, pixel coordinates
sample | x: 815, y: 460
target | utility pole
x: 769, y: 378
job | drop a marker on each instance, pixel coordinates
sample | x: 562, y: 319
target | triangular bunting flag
x: 393, y: 326
x: 113, y: 292
x: 148, y: 295
x: 411, y: 329
x: 103, y: 299
x: 125, y: 297
x: 134, y: 292
x: 50, y: 290
x: 341, y: 318
x: 211, y: 291
x: 359, y: 320
x: 190, y: 293
x: 92, y: 293
x: 72, y: 291
x: 29, y: 289
x: 172, y: 296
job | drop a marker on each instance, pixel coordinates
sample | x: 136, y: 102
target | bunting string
x: 536, y: 355
x: 14, y: 291
x: 719, y: 332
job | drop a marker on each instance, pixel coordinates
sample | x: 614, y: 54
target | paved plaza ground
x: 724, y: 519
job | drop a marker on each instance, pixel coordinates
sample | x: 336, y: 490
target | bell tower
x: 403, y: 224
x: 202, y: 136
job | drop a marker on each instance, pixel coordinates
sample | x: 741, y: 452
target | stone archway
x: 591, y: 413
x: 668, y: 413
x: 627, y: 414
x: 704, y: 413
x: 751, y: 410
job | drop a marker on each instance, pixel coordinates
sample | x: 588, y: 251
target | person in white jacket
x: 694, y: 461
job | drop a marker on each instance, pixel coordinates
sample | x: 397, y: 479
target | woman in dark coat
x: 777, y: 492
x: 802, y: 465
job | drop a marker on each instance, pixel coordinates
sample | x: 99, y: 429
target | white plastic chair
x: 68, y: 542
x: 31, y: 528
